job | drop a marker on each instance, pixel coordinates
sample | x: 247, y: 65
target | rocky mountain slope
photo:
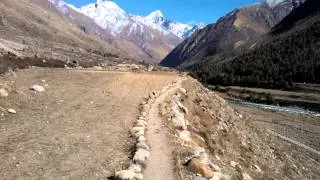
x: 288, y: 55
x: 230, y: 35
x: 36, y: 28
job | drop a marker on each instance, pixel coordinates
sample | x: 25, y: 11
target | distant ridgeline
x: 290, y: 53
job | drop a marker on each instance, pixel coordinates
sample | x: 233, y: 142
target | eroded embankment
x: 213, y: 141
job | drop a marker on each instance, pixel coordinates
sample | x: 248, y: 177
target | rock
x: 139, y: 133
x: 150, y: 68
x: 184, y: 109
x: 201, y: 154
x: 141, y: 156
x: 136, y: 129
x: 37, y: 88
x: 233, y: 164
x: 200, y: 178
x: 219, y: 175
x: 183, y: 91
x: 215, y: 177
x: 142, y: 118
x: 134, y: 67
x: 197, y: 167
x: 178, y: 119
x: 141, y: 138
x: 143, y: 114
x: 142, y: 122
x: 12, y: 111
x: 214, y: 167
x: 4, y: 93
x: 217, y: 157
x: 142, y: 145
x: 257, y: 168
x: 246, y: 176
x: 198, y: 151
x: 97, y: 67
x: 145, y: 108
x: 185, y: 135
x: 136, y: 168
x: 128, y: 175
x: 140, y: 125
x: 191, y: 144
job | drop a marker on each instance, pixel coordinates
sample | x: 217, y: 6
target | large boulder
x: 197, y: 167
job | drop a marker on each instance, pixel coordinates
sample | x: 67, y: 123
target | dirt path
x: 78, y: 128
x: 297, y: 143
x: 161, y: 164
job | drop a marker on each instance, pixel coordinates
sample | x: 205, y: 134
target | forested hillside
x: 287, y: 57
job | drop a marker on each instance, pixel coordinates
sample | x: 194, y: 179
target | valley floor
x: 78, y: 128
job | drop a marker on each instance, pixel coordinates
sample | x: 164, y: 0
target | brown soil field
x: 78, y: 128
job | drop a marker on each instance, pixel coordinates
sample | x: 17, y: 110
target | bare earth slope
x: 78, y: 128
x: 35, y: 27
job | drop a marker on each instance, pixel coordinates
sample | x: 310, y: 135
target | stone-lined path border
x: 142, y: 153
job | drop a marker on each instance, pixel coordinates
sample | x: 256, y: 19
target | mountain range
x: 154, y: 35
x: 231, y: 35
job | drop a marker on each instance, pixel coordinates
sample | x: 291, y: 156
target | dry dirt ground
x: 78, y: 128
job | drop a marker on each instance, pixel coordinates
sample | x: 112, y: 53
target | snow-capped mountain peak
x: 108, y: 15
x: 273, y: 3
x: 156, y: 16
x: 107, y: 4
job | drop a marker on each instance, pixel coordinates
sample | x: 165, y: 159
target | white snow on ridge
x: 273, y: 3
x: 108, y: 15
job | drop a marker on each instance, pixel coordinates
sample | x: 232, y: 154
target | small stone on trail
x: 142, y: 145
x: 128, y: 175
x: 12, y: 111
x: 4, y: 93
x: 136, y: 168
x: 257, y: 168
x: 233, y: 164
x: 37, y: 88
x: 141, y: 138
x: 246, y: 176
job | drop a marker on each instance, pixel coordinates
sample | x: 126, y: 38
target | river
x: 293, y: 110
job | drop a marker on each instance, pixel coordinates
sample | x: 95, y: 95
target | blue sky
x: 186, y: 11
